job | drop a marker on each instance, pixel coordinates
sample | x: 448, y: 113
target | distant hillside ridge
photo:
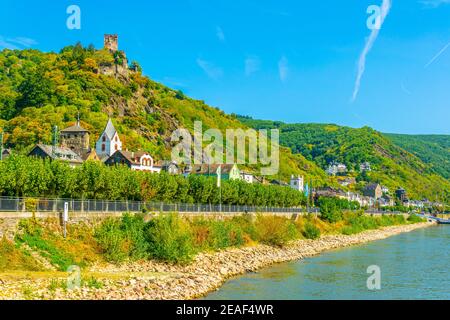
x: 396, y: 160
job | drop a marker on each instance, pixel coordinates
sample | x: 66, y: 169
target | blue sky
x: 294, y: 61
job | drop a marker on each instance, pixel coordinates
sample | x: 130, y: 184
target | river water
x: 414, y: 265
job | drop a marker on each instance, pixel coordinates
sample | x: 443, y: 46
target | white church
x: 108, y: 142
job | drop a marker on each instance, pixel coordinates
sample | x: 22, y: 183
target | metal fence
x: 8, y: 204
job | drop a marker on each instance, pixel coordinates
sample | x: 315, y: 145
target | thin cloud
x: 283, y: 68
x: 210, y: 69
x: 16, y: 43
x: 220, y: 34
x: 252, y: 65
x: 437, y: 55
x: 434, y: 3
x: 385, y: 8
x: 26, y: 42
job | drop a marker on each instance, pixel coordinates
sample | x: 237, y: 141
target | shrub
x: 122, y: 238
x: 170, y: 239
x: 274, y: 230
x: 311, y: 231
x: 112, y: 241
x: 413, y: 218
x: 216, y: 234
x: 329, y: 210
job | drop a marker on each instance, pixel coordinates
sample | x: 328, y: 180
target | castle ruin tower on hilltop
x: 111, y: 42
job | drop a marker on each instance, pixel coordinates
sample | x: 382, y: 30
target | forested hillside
x: 39, y: 90
x: 392, y: 165
x: 431, y: 149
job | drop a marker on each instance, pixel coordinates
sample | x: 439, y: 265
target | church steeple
x: 109, y: 141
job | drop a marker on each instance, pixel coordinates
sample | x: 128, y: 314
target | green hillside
x: 431, y: 149
x: 39, y: 90
x: 392, y: 165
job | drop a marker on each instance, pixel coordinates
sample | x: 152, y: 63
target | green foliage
x: 330, y: 209
x: 33, y: 235
x: 431, y: 149
x: 311, y: 231
x: 392, y: 163
x: 122, y: 239
x: 358, y: 222
x: 39, y: 90
x: 34, y: 177
x: 170, y: 239
x: 413, y: 218
x: 210, y: 234
x: 12, y: 257
x: 275, y: 230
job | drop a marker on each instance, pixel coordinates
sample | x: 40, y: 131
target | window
x: 117, y: 139
x: 115, y: 147
x: 103, y: 138
x: 103, y: 147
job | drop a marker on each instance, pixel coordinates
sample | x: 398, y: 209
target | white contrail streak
x: 437, y: 55
x: 385, y: 7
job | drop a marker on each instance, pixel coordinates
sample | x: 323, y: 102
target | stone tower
x: 111, y: 42
x: 75, y: 138
x: 297, y: 183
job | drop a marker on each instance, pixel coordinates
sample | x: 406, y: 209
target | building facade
x: 297, y: 183
x: 138, y: 161
x: 108, y: 142
x: 75, y: 138
x: 373, y: 190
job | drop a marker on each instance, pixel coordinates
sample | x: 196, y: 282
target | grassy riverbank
x: 113, y: 252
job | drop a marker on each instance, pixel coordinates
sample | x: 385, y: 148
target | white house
x: 108, y: 142
x: 297, y: 183
x: 247, y: 177
x: 138, y: 161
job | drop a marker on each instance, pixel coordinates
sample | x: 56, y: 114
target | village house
x: 228, y: 171
x: 400, y: 193
x: 168, y: 166
x: 5, y: 153
x: 365, y: 166
x: 56, y: 153
x: 346, y: 181
x: 336, y: 168
x: 247, y: 177
x: 373, y: 190
x: 138, y: 161
x: 74, y: 147
x: 276, y: 182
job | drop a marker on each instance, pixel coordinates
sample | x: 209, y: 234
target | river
x: 414, y: 265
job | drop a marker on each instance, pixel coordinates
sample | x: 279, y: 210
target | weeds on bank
x: 13, y: 257
x: 174, y: 239
x: 79, y: 248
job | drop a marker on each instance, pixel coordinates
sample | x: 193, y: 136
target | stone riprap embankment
x: 155, y: 280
